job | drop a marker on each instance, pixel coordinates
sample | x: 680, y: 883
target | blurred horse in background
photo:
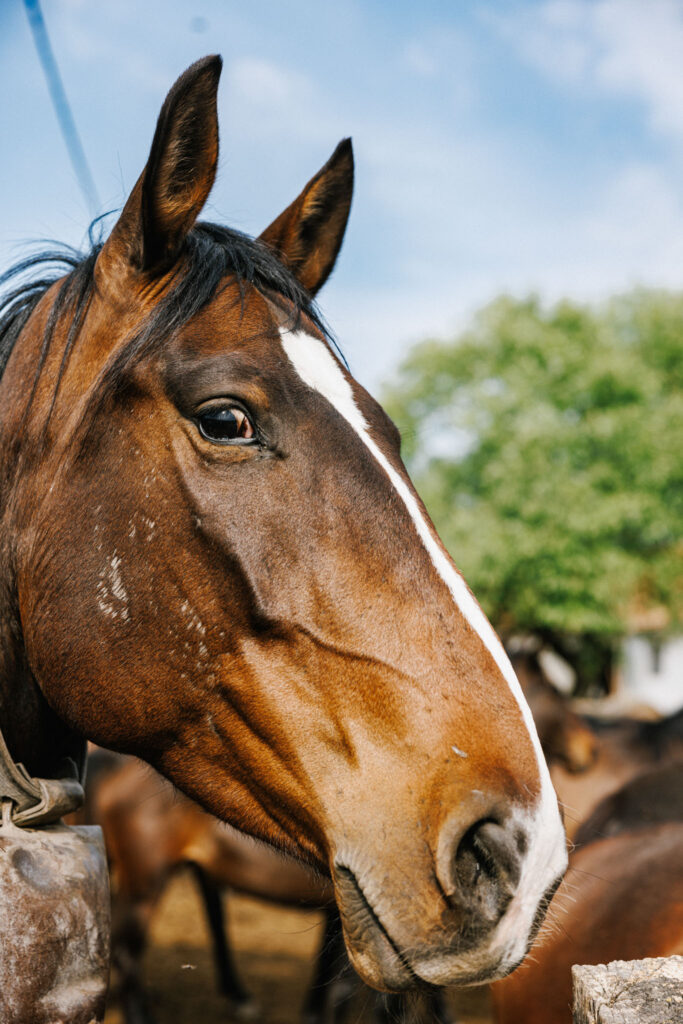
x: 624, y: 749
x: 652, y: 798
x: 568, y: 741
x: 150, y: 831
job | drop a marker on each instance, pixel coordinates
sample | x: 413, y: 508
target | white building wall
x: 652, y: 676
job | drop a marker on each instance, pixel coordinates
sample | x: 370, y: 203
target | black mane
x: 17, y: 304
x: 214, y: 255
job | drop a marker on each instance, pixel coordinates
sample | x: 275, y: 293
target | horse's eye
x: 224, y: 423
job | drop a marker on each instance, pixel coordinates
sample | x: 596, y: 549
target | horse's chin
x: 372, y: 952
x: 380, y: 965
x: 464, y: 970
x: 383, y: 968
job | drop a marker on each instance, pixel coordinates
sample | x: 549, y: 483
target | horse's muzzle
x: 444, y: 929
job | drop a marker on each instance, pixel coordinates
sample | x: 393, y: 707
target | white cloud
x: 420, y: 59
x: 268, y: 103
x: 103, y: 39
x: 267, y: 85
x: 554, y: 37
x: 640, y: 217
x: 626, y: 48
x: 643, y: 56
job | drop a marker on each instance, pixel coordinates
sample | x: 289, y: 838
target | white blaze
x: 317, y: 367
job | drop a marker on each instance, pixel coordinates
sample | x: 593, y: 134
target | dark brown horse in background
x: 624, y: 749
x: 568, y: 741
x: 212, y: 557
x: 648, y: 799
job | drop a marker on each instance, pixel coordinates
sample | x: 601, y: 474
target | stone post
x: 629, y: 992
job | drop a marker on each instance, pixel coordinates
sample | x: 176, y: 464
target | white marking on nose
x: 317, y: 367
x: 459, y: 752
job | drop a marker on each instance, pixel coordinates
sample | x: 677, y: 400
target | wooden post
x: 629, y: 992
x: 54, y: 925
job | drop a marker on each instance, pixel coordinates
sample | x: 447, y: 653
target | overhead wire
x: 61, y: 105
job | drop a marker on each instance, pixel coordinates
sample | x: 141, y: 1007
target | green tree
x: 547, y: 446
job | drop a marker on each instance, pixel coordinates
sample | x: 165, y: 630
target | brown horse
x: 566, y: 738
x: 625, y: 749
x: 212, y: 557
x: 651, y: 798
x: 622, y: 899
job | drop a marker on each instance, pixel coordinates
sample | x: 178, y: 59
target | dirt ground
x: 274, y: 949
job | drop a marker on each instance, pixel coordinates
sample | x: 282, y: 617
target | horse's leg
x: 391, y: 1008
x: 437, y: 1007
x: 334, y: 981
x: 428, y: 1008
x: 128, y: 941
x: 228, y: 979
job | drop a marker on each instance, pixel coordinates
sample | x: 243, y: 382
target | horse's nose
x: 486, y: 869
x: 479, y: 869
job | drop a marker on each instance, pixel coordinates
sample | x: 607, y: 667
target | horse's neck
x: 31, y: 730
x: 34, y: 734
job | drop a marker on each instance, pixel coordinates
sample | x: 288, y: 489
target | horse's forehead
x: 239, y: 336
x: 234, y: 321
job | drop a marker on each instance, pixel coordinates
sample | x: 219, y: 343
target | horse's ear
x: 178, y: 176
x: 307, y: 236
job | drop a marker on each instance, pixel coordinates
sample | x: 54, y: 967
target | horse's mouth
x: 384, y: 965
x: 373, y: 952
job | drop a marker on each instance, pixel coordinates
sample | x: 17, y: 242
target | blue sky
x: 500, y: 146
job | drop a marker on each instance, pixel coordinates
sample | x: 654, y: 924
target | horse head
x: 219, y: 563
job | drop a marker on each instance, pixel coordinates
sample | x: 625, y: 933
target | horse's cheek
x: 86, y: 650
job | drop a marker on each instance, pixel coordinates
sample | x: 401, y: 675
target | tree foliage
x: 547, y: 446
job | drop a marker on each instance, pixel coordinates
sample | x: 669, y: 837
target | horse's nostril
x: 487, y: 868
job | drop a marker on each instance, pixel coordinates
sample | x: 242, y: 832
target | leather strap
x: 37, y: 801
